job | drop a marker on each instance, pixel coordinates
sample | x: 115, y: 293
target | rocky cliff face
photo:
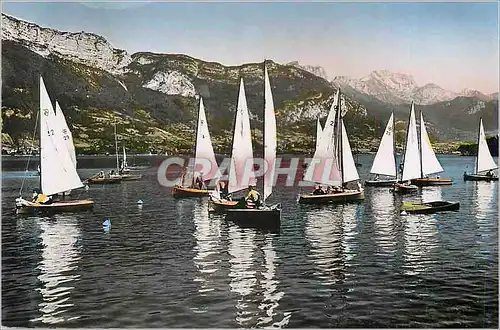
x: 153, y: 96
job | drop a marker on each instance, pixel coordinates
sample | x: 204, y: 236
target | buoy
x: 107, y: 223
x: 86, y: 187
x: 403, y: 213
x: 139, y: 201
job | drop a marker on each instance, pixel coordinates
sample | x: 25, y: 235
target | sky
x: 454, y: 45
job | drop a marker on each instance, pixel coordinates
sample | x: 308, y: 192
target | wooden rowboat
x: 112, y: 180
x: 221, y: 205
x: 429, y: 207
x: 422, y: 182
x: 180, y: 191
x: 403, y: 188
x: 340, y: 197
x: 380, y: 183
x: 479, y: 177
x: 26, y: 207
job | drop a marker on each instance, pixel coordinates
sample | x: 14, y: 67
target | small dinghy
x: 265, y: 216
x: 404, y: 188
x: 57, y: 165
x: 429, y: 207
x: 380, y: 183
x: 103, y: 180
x: 180, y: 191
x: 204, y: 150
x: 484, y: 161
x: 335, y: 158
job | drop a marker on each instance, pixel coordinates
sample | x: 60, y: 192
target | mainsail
x: 204, y: 148
x: 58, y: 172
x: 484, y: 161
x: 430, y: 163
x: 411, y: 162
x: 384, y: 162
x: 242, y: 153
x: 269, y: 136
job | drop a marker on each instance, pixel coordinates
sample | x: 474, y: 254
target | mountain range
x: 154, y: 97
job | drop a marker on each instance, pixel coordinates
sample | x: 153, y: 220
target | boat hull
x: 26, y: 207
x: 180, y: 192
x: 430, y: 207
x: 131, y: 177
x: 268, y: 218
x: 380, y: 183
x: 339, y: 198
x: 104, y: 181
x: 221, y: 205
x: 404, y: 189
x: 423, y: 182
x: 479, y: 177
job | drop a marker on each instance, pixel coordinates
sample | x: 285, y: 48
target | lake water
x: 170, y: 264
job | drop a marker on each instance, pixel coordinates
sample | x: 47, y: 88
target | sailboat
x: 336, y: 164
x: 124, y: 176
x: 264, y: 216
x: 484, y: 161
x: 429, y: 164
x: 57, y: 171
x: 384, y: 162
x: 112, y: 177
x: 203, y: 150
x: 242, y: 152
x: 410, y: 162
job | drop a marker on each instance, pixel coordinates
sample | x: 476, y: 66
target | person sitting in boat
x: 318, y: 191
x: 199, y: 181
x: 41, y: 198
x: 224, y: 192
x: 489, y: 173
x: 101, y: 174
x: 253, y: 197
x: 376, y: 177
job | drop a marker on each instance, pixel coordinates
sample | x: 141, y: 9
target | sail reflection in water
x: 242, y: 272
x: 208, y: 245
x: 247, y: 271
x: 324, y: 232
x: 420, y: 235
x: 486, y: 216
x: 59, y: 259
x: 383, y: 210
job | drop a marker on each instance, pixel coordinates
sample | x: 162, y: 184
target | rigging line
x: 31, y: 152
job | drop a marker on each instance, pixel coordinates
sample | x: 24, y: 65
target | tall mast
x: 116, y: 149
x: 420, y: 144
x: 40, y: 130
x: 478, y: 141
x: 394, y: 143
x: 340, y: 123
x: 264, y: 126
x: 402, y: 162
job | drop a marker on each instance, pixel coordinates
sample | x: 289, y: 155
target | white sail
x: 319, y: 131
x: 384, y: 162
x: 350, y: 173
x: 66, y: 133
x: 242, y: 146
x: 484, y: 160
x: 430, y: 163
x: 411, y: 165
x: 204, y: 148
x: 323, y: 168
x: 124, y: 157
x: 58, y: 173
x: 269, y: 136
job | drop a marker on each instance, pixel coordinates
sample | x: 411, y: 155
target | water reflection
x: 431, y: 194
x: 324, y: 232
x: 242, y: 272
x: 57, y: 268
x: 383, y: 210
x: 350, y: 223
x: 420, y: 240
x: 486, y: 215
x: 208, y: 240
x: 269, y: 285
